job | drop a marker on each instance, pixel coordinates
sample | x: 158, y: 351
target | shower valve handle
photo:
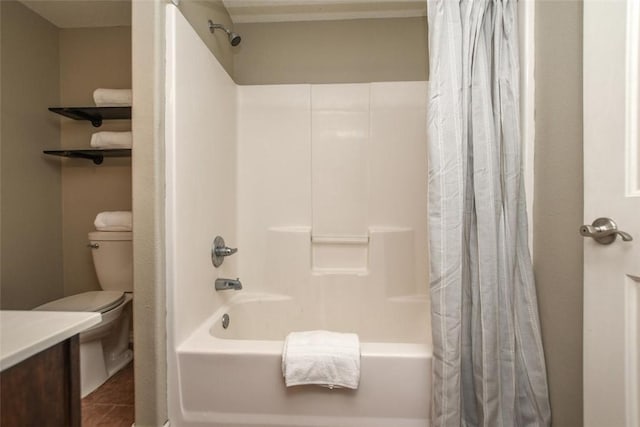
x: 604, y: 231
x: 225, y: 251
x: 219, y: 250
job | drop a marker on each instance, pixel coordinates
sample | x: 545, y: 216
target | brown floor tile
x: 118, y: 390
x: 119, y: 416
x: 112, y: 404
x: 92, y: 414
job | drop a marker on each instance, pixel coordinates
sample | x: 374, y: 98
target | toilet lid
x: 93, y: 301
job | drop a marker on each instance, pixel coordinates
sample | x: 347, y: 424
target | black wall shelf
x: 96, y: 155
x: 94, y: 114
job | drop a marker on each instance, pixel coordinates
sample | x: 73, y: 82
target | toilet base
x: 93, y: 371
x: 120, y: 363
x: 104, y: 349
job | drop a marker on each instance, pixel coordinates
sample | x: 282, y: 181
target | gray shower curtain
x: 488, y: 361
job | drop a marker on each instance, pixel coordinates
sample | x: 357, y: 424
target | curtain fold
x: 488, y: 364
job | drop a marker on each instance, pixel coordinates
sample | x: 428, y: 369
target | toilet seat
x: 93, y: 301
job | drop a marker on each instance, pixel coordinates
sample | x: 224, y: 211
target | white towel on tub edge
x: 330, y: 359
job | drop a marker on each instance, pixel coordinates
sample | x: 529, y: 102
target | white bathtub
x: 232, y: 377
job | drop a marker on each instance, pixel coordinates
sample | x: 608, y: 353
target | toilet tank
x: 113, y: 259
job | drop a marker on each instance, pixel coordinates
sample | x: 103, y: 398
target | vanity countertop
x: 26, y: 333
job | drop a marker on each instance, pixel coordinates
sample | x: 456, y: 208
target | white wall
x: 324, y: 171
x: 274, y: 149
x: 201, y: 173
x: 201, y: 180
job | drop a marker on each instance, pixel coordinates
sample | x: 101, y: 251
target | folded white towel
x: 330, y: 359
x: 113, y: 221
x: 112, y: 97
x: 111, y: 140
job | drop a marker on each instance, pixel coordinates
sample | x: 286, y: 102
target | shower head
x: 234, y: 38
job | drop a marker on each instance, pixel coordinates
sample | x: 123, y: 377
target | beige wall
x: 349, y: 51
x: 198, y: 13
x: 558, y: 201
x: 149, y: 313
x: 90, y: 58
x: 48, y: 210
x: 31, y: 184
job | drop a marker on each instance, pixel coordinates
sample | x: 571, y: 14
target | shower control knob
x: 219, y: 250
x: 225, y: 251
x: 604, y: 231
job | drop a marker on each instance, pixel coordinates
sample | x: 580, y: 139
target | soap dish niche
x: 340, y: 255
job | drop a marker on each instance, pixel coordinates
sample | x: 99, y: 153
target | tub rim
x: 202, y: 341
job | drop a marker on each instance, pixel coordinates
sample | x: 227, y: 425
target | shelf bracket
x: 96, y: 158
x: 96, y: 122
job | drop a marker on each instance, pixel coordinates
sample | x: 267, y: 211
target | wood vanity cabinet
x: 43, y: 390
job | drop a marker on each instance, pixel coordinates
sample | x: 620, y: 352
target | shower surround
x: 323, y: 190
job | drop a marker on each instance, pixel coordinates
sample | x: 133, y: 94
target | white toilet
x: 104, y: 348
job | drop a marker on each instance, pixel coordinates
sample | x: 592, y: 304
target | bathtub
x: 232, y: 376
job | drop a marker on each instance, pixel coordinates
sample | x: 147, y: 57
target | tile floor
x: 111, y: 405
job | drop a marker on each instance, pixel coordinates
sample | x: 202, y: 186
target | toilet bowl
x: 104, y: 348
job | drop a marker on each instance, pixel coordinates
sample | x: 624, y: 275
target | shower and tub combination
x: 324, y: 195
x: 323, y: 188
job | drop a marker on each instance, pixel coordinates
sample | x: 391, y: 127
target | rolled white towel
x: 111, y: 140
x: 113, y: 221
x: 329, y: 359
x: 112, y: 97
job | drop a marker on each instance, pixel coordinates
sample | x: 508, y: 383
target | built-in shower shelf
x: 96, y: 155
x: 95, y: 115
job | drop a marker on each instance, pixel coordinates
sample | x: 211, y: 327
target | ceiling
x: 243, y: 11
x: 83, y: 13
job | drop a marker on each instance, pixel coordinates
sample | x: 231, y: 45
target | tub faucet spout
x: 224, y: 284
